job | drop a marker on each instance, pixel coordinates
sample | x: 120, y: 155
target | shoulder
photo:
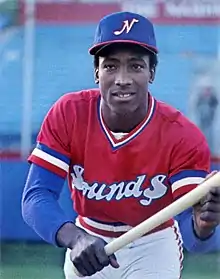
x: 84, y: 96
x: 179, y: 127
x: 65, y: 109
x: 68, y: 104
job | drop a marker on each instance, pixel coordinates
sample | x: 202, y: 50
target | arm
x: 190, y: 164
x: 192, y: 243
x: 40, y: 208
x: 50, y: 161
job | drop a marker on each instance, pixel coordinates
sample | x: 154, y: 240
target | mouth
x: 123, y: 95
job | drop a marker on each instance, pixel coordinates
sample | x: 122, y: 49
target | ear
x: 96, y: 75
x: 152, y: 75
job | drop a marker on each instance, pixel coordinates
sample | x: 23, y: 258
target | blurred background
x: 44, y: 54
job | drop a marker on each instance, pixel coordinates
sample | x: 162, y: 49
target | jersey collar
x: 134, y: 133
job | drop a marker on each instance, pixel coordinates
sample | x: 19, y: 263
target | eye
x: 109, y: 67
x: 137, y: 67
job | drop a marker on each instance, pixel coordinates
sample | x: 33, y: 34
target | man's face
x: 123, y: 75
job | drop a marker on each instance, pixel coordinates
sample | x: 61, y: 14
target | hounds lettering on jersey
x: 120, y: 190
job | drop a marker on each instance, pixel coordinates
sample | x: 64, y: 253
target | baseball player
x: 126, y: 156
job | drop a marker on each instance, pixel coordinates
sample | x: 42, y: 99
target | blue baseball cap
x: 124, y: 27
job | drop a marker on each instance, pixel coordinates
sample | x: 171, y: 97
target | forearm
x: 43, y: 214
x: 40, y: 207
x: 192, y: 243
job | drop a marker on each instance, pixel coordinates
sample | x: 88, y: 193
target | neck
x: 123, y: 122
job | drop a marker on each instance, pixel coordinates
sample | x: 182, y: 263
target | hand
x: 207, y: 212
x: 88, y: 255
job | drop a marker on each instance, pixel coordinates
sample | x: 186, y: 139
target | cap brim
x: 94, y: 50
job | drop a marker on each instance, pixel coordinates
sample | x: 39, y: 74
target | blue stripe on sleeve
x: 53, y: 153
x: 40, y: 207
x: 188, y: 173
x: 190, y: 241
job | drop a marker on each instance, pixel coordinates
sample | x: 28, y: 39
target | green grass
x: 31, y: 261
x: 41, y: 261
x: 30, y: 272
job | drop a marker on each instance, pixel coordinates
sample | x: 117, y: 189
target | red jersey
x: 117, y: 183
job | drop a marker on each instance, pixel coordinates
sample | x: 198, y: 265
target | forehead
x: 120, y: 51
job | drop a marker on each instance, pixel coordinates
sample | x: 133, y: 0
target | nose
x: 123, y: 78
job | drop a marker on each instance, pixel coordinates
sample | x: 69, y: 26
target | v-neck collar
x: 115, y: 144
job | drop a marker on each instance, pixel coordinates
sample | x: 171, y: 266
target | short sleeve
x: 52, y: 150
x: 190, y: 164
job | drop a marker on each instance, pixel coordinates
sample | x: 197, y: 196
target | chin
x: 124, y: 109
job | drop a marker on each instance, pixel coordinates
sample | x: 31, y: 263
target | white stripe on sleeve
x: 50, y: 159
x: 186, y: 181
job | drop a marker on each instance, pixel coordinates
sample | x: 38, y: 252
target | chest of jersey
x: 124, y: 180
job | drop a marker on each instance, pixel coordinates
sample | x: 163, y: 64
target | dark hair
x: 153, y: 60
